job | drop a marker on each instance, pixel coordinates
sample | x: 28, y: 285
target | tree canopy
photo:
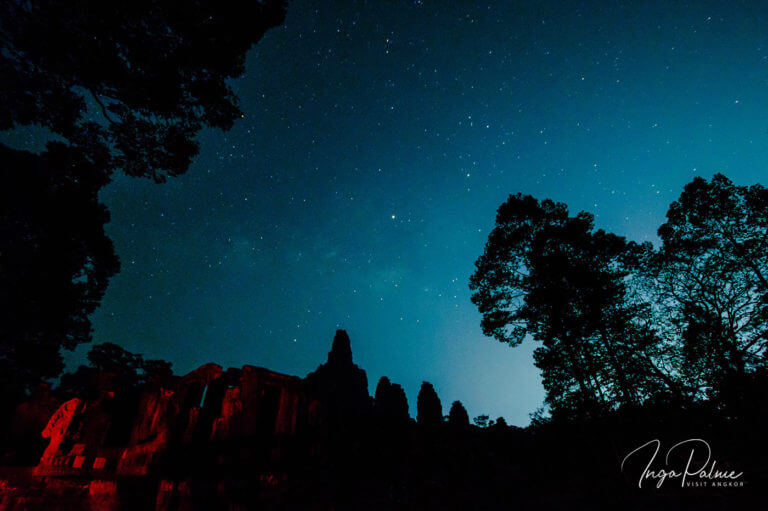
x: 55, y: 260
x: 120, y: 86
x: 128, y: 84
x: 711, y: 281
x: 125, y: 369
x: 620, y: 323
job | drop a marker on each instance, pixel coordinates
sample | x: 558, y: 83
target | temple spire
x: 341, y: 351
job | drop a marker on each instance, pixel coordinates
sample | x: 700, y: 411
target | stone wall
x: 209, y: 410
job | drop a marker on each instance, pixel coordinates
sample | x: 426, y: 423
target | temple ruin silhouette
x: 210, y: 420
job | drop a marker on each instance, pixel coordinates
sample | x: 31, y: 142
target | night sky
x: 378, y: 140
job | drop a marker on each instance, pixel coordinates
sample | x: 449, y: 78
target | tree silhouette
x: 429, y: 410
x: 619, y: 323
x: 126, y: 370
x: 500, y: 424
x: 128, y: 84
x: 55, y: 261
x: 124, y: 86
x: 458, y: 416
x: 550, y: 275
x: 711, y: 272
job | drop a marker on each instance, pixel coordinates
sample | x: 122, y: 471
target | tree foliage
x: 550, y: 275
x: 124, y: 369
x: 711, y: 279
x: 119, y: 85
x: 155, y: 71
x: 55, y: 260
x: 620, y: 323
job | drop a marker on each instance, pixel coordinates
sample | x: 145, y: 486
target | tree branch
x: 103, y: 107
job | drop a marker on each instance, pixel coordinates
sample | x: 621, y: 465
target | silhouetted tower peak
x: 429, y: 410
x: 341, y: 385
x: 341, y: 350
x: 458, y: 416
x: 390, y: 403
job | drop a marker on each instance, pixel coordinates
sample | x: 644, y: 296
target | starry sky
x: 378, y: 140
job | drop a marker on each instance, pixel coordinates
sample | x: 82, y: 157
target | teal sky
x: 378, y: 141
